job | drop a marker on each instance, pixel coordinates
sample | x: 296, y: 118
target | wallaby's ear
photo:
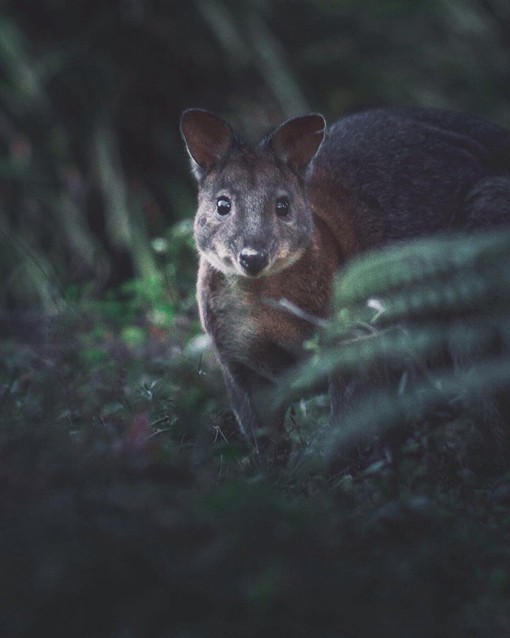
x: 208, y: 139
x: 296, y: 141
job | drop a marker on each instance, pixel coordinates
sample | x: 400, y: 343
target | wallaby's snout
x: 253, y: 260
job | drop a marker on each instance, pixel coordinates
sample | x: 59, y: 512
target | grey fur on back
x: 418, y: 171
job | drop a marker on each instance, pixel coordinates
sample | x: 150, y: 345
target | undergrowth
x: 131, y: 507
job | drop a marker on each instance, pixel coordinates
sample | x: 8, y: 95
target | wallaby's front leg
x: 250, y: 397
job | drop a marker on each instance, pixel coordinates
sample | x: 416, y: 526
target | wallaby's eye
x: 282, y: 206
x: 223, y: 206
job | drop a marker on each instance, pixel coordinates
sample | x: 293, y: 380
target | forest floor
x: 130, y: 507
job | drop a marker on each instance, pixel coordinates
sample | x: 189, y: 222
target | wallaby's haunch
x: 276, y: 221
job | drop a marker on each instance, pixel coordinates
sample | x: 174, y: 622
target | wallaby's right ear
x: 296, y: 141
x: 208, y: 139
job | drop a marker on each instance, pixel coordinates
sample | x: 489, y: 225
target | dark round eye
x: 223, y: 206
x: 282, y: 206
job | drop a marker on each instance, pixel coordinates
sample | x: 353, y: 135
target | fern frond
x: 421, y: 305
x: 406, y: 265
x: 382, y: 412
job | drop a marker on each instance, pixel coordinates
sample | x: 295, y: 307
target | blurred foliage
x: 420, y: 333
x: 92, y: 167
x: 130, y: 507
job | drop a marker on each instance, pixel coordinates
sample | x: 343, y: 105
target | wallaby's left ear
x: 296, y: 141
x: 208, y: 139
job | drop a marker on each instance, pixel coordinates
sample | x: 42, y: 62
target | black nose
x: 253, y: 261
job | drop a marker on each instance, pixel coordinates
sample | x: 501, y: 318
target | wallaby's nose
x: 253, y: 261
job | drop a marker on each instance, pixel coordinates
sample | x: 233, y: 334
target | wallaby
x: 276, y: 221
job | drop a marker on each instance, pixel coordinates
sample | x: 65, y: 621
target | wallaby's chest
x: 247, y: 326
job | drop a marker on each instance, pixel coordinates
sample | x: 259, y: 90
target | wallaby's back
x: 393, y: 174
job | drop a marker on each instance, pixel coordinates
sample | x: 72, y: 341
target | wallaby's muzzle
x: 253, y: 261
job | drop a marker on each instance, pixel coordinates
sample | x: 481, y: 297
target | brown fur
x: 335, y: 206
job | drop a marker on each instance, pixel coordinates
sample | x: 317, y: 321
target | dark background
x: 92, y: 166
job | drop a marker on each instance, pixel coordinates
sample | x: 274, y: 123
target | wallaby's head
x: 253, y: 218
